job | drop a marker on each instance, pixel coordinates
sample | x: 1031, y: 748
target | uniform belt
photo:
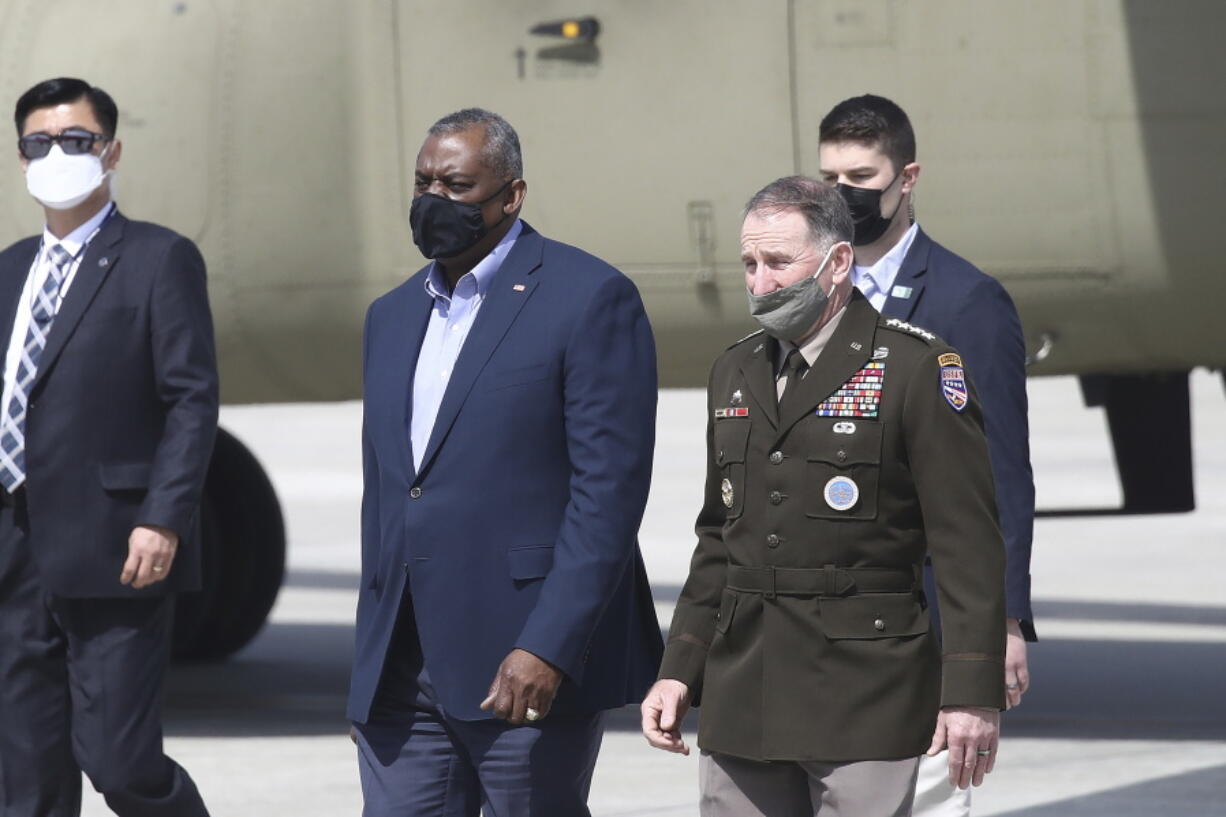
x: 820, y: 581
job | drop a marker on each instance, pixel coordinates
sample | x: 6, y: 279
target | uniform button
x: 719, y: 457
x: 879, y: 625
x: 406, y: 567
x: 415, y: 492
x: 842, y: 455
x: 772, y: 541
x: 776, y: 497
x: 776, y: 457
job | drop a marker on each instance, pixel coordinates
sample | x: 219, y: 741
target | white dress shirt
x: 875, y: 282
x: 74, y: 244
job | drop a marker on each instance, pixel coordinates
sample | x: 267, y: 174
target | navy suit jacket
x: 519, y: 530
x: 973, y: 313
x: 123, y: 410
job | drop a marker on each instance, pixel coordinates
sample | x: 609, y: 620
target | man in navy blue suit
x: 867, y: 149
x: 109, y: 413
x: 508, y: 429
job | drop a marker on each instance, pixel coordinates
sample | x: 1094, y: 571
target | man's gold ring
x: 158, y: 568
x: 984, y: 752
x: 532, y: 715
x: 1013, y: 686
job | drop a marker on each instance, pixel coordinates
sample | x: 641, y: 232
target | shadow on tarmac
x: 1195, y: 794
x: 293, y: 678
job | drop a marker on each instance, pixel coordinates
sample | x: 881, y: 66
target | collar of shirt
x: 814, y: 345
x: 886, y: 269
x: 77, y: 238
x: 480, y: 276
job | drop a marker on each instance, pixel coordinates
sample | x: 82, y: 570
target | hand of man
x: 663, y: 709
x: 972, y: 734
x: 522, y: 682
x: 151, y: 552
x: 1017, y: 673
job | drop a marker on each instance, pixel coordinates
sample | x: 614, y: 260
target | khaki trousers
x: 736, y: 787
x: 935, y: 796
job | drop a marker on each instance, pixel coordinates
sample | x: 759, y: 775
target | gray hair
x: 501, y: 152
x: 822, y: 206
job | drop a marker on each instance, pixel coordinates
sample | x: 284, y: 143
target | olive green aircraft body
x: 1071, y: 148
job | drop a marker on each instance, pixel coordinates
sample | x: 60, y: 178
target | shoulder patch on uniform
x: 747, y: 337
x: 903, y: 326
x: 953, y: 381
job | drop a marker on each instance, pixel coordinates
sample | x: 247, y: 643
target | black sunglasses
x: 73, y: 141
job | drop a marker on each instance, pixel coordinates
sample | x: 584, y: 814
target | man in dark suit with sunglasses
x: 106, y: 430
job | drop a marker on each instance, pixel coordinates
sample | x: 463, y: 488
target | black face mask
x: 865, y: 206
x: 445, y: 228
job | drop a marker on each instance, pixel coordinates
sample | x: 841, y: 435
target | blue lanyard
x: 76, y: 258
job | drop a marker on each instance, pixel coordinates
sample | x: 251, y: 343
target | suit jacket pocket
x: 520, y: 375
x: 872, y: 616
x: 124, y: 476
x: 530, y: 562
x: 109, y: 315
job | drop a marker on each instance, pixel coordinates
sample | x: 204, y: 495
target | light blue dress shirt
x: 875, y: 282
x: 451, y: 318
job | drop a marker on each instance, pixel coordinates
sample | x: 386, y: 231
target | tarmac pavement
x: 1126, y: 715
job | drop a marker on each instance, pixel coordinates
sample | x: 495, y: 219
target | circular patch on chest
x: 841, y: 493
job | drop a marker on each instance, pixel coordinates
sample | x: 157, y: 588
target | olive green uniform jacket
x: 802, y: 627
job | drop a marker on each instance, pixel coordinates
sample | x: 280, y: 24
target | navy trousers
x: 81, y: 690
x: 416, y: 761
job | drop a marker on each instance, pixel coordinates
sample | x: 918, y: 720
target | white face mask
x: 61, y: 182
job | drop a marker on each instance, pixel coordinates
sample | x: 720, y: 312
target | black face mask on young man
x: 865, y: 206
x: 445, y: 228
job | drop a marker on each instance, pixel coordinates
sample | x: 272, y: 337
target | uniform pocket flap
x: 532, y: 562
x: 119, y: 476
x: 731, y: 441
x: 873, y: 615
x: 849, y: 443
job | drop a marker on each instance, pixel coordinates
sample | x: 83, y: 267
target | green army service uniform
x: 802, y: 628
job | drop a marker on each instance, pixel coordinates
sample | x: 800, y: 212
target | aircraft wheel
x: 243, y: 557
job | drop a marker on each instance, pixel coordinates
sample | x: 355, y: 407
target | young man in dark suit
x: 109, y: 413
x: 508, y: 429
x: 867, y: 149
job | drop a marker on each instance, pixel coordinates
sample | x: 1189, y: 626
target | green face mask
x: 790, y: 313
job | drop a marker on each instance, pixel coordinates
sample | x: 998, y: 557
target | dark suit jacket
x: 973, y: 313
x: 800, y: 624
x: 519, y: 530
x: 123, y: 411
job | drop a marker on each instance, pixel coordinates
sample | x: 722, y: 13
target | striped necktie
x: 13, y: 423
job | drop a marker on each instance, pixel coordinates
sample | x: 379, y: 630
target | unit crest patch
x: 858, y: 397
x: 953, y: 381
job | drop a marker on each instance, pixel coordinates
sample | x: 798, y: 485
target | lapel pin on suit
x: 103, y: 262
x: 518, y: 287
x: 901, y: 292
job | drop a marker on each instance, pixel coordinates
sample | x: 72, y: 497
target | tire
x: 243, y: 558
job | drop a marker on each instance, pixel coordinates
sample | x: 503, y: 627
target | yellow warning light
x: 577, y: 28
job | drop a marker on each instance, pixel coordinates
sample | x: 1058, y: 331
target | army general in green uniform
x: 841, y: 448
